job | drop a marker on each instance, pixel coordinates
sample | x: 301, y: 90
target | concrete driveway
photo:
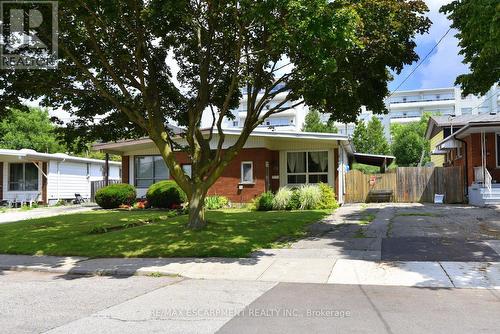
x: 406, y: 232
x: 14, y: 215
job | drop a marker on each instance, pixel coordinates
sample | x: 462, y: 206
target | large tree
x: 478, y: 25
x: 30, y: 129
x: 409, y: 145
x: 116, y: 61
x: 313, y: 123
x: 370, y: 138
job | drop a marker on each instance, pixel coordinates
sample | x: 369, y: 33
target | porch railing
x: 487, y: 180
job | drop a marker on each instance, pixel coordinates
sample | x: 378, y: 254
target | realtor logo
x: 28, y: 34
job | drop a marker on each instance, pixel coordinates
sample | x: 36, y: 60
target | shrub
x: 282, y: 199
x: 309, y: 197
x: 328, y: 200
x: 265, y: 201
x: 216, y: 202
x: 165, y: 195
x: 111, y: 197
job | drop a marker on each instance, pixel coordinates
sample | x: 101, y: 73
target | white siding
x: 65, y: 179
x: 19, y: 195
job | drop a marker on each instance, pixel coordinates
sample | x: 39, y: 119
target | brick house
x: 475, y: 146
x: 268, y: 161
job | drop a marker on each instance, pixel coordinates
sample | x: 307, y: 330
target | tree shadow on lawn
x: 233, y: 234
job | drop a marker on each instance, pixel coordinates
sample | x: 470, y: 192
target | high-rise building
x: 403, y: 106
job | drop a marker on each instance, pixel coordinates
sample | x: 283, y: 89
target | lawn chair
x: 33, y: 199
x: 79, y: 199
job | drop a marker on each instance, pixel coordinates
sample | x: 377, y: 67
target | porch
x: 475, y: 148
x: 23, y: 181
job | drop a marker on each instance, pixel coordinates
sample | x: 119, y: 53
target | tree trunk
x: 197, y: 210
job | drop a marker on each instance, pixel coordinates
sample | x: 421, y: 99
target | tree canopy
x: 140, y: 65
x: 31, y: 129
x: 313, y: 123
x: 409, y: 145
x: 370, y: 138
x: 478, y: 25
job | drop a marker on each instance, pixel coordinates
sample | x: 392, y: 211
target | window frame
x: 23, y: 183
x: 307, y: 173
x: 154, y: 179
x: 242, y: 173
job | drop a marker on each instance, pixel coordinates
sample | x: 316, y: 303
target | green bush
x: 111, y: 197
x: 328, y: 200
x: 309, y: 197
x: 216, y: 202
x: 265, y: 201
x: 282, y: 199
x: 166, y: 195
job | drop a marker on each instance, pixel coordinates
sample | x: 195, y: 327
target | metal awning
x: 374, y: 159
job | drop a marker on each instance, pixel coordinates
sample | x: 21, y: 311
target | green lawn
x: 230, y: 233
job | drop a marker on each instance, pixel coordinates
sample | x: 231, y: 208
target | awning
x: 374, y: 159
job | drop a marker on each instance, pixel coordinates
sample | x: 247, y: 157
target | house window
x: 23, y: 177
x: 188, y: 169
x: 247, y: 172
x: 149, y: 169
x: 459, y: 152
x: 307, y: 167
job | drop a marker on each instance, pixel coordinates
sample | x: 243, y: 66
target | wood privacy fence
x: 408, y: 184
x: 96, y: 185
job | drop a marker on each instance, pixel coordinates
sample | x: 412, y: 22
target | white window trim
x: 154, y: 179
x: 24, y: 178
x: 241, y: 172
x: 327, y: 173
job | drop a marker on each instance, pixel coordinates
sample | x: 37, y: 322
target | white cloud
x: 442, y: 67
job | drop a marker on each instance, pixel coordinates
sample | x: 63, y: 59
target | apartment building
x: 403, y: 106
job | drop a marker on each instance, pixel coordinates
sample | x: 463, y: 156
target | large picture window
x: 149, y: 169
x: 23, y: 177
x: 307, y: 167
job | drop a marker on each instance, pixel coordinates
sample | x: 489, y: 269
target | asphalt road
x: 40, y: 302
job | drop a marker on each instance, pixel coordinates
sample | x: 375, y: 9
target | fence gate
x: 408, y: 184
x: 96, y: 185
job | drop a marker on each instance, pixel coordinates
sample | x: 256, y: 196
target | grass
x: 367, y: 219
x: 230, y: 233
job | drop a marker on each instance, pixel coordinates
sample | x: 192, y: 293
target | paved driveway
x: 13, y: 215
x: 408, y: 232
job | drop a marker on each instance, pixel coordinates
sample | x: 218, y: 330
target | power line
x: 421, y: 62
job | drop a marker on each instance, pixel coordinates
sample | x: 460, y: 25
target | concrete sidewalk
x: 14, y: 215
x: 270, y: 268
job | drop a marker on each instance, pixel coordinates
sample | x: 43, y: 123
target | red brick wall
x: 227, y: 184
x: 125, y: 169
x: 474, y: 156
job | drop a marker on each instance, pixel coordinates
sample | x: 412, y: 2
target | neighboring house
x: 268, y: 161
x: 475, y: 145
x: 30, y: 176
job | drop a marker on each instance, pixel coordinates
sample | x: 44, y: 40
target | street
x: 35, y: 302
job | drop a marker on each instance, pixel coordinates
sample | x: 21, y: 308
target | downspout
x: 466, y: 166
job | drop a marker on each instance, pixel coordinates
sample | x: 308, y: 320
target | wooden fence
x: 96, y: 185
x: 408, y: 184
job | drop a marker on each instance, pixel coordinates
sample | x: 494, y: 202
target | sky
x: 444, y: 64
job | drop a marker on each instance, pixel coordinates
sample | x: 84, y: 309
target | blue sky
x: 443, y: 65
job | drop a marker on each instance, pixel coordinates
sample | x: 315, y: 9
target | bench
x: 380, y: 196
